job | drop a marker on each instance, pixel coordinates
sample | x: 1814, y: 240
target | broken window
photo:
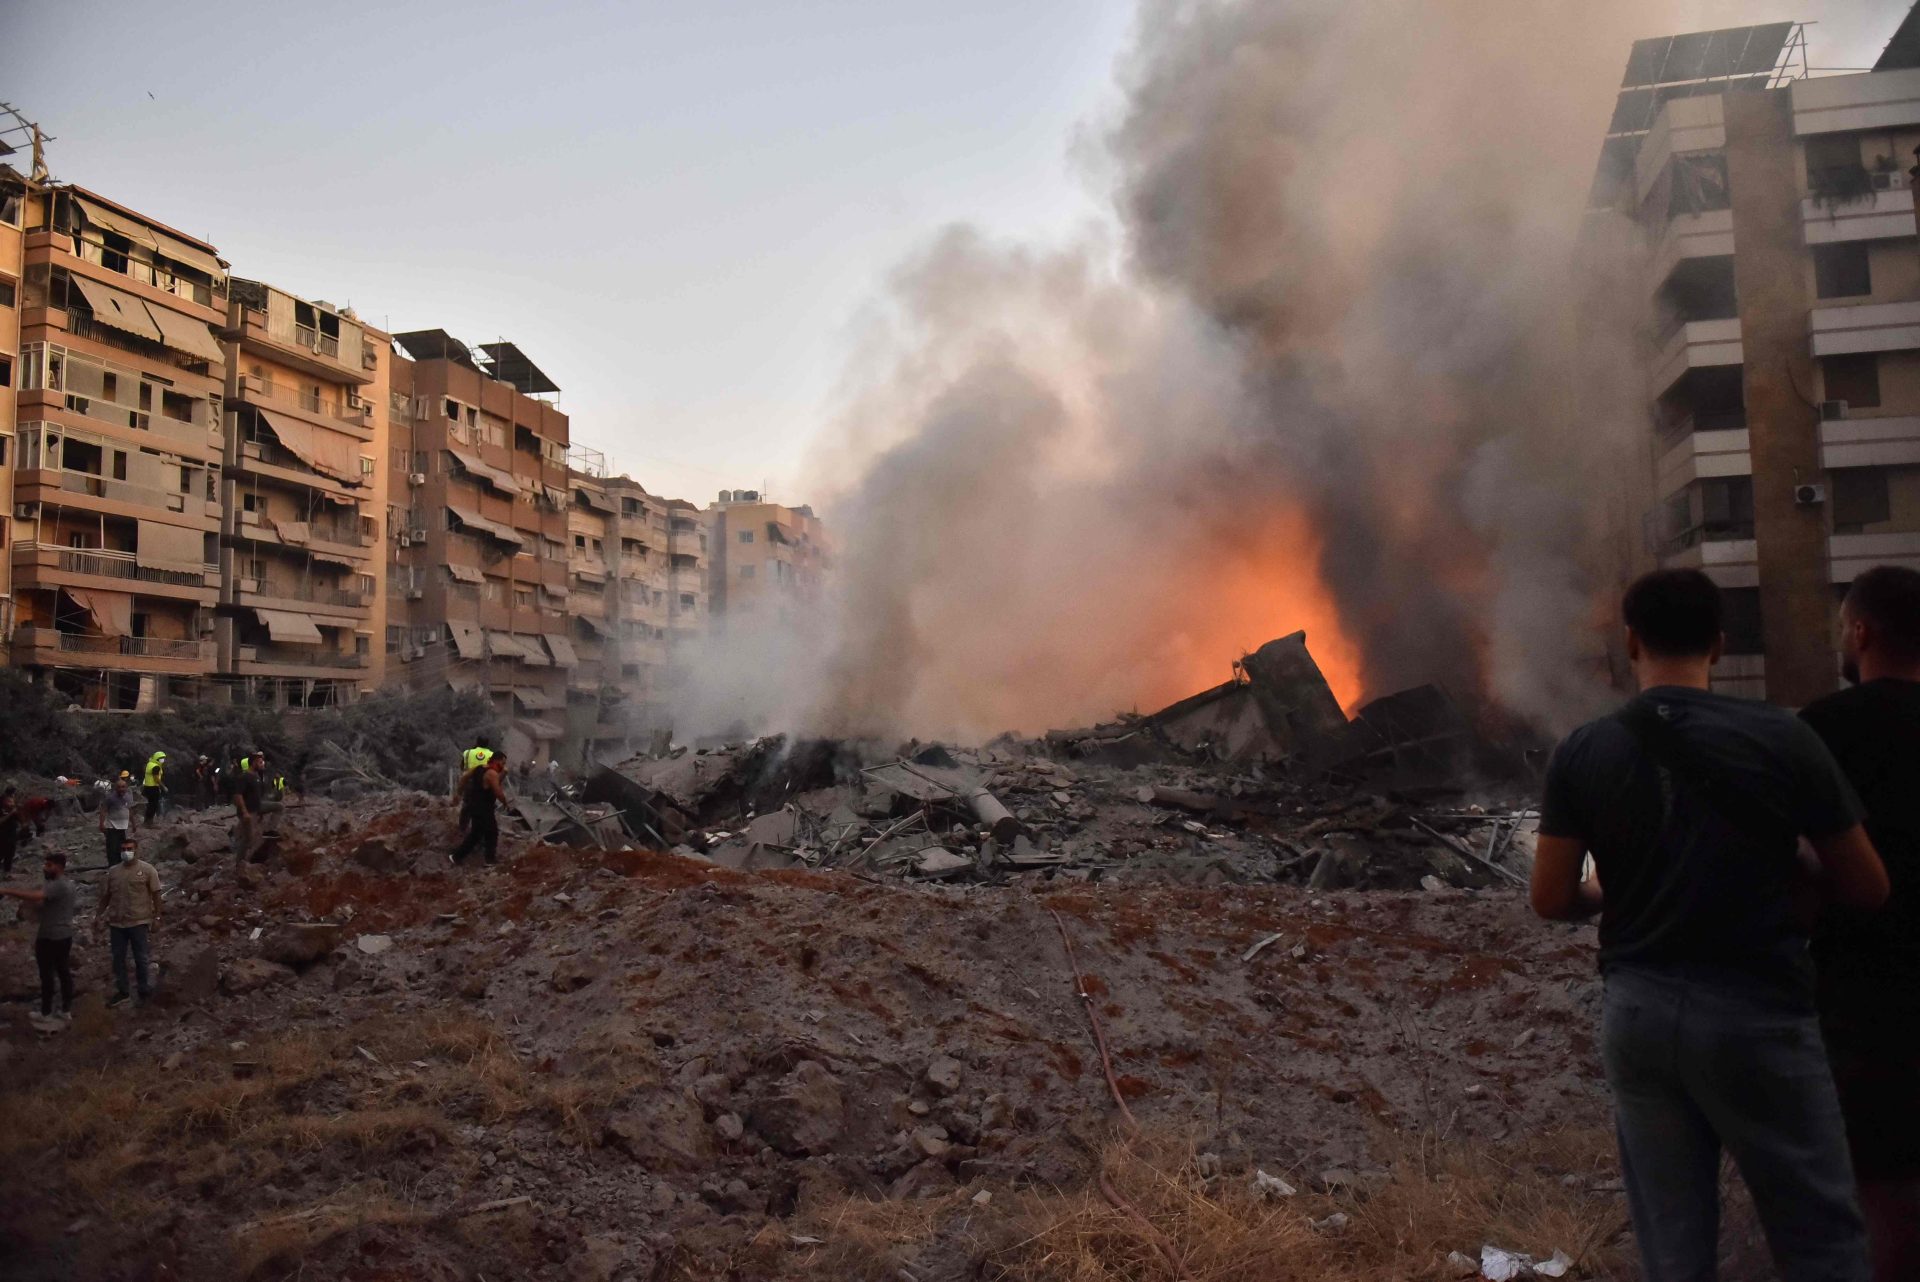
x: 78, y: 456
x: 1699, y: 183
x: 1726, y: 507
x: 1860, y: 499
x: 1853, y: 378
x: 580, y: 542
x: 1842, y: 271
x: 1835, y: 174
x: 1702, y: 289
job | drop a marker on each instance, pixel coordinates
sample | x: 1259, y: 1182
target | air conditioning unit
x: 405, y: 542
x: 418, y: 534
x: 25, y: 511
x: 414, y: 594
x: 1809, y: 495
x: 1889, y: 180
x: 1832, y: 410
x: 416, y: 478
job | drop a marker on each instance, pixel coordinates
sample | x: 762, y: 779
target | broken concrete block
x: 300, y: 944
x: 805, y: 1115
x: 943, y: 1074
x: 938, y: 861
x: 251, y: 974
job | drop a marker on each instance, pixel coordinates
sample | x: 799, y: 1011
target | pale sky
x: 676, y: 209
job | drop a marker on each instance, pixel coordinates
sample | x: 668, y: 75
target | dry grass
x: 1434, y: 1199
x: 128, y: 1138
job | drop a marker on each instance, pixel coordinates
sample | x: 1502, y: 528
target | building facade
x: 116, y: 451
x: 479, y: 505
x: 303, y: 500
x: 1783, y: 296
x: 767, y: 560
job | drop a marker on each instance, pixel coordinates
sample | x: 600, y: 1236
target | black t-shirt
x: 247, y: 788
x: 1688, y: 888
x: 1869, y: 963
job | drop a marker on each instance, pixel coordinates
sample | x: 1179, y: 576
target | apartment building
x: 14, y: 187
x: 114, y: 404
x: 479, y: 505
x: 1783, y: 296
x: 766, y: 559
x: 303, y: 496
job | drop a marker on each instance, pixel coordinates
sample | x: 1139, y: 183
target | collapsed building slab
x: 1278, y: 706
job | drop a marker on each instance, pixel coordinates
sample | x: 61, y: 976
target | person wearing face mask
x: 1868, y: 965
x: 53, y: 941
x: 116, y: 818
x: 130, y: 905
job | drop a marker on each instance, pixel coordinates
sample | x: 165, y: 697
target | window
x: 523, y: 598
x: 119, y: 465
x: 6, y: 371
x: 1860, y: 498
x: 362, y: 643
x: 249, y: 502
x: 580, y: 542
x: 7, y: 293
x: 451, y: 408
x: 1854, y: 379
x: 10, y: 208
x: 366, y: 466
x: 1833, y: 165
x: 746, y: 572
x: 1842, y: 271
x: 3, y: 463
x: 686, y: 601
x: 746, y: 536
x: 1726, y: 507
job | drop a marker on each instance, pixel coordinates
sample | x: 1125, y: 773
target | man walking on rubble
x: 481, y: 790
x: 249, y: 799
x: 153, y: 785
x: 52, y: 940
x: 130, y: 905
x: 116, y: 818
x: 1869, y: 966
x: 1692, y: 804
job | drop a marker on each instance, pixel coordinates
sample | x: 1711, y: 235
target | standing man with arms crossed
x: 1870, y: 965
x: 1692, y: 804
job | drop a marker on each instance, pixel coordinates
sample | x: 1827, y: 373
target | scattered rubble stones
x: 251, y: 974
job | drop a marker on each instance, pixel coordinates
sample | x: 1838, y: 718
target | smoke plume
x: 1337, y: 370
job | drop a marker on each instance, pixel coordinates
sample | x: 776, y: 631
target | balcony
x: 287, y: 660
x: 1836, y: 104
x: 1893, y: 441
x: 1884, y: 213
x: 43, y: 565
x: 319, y: 536
x: 273, y: 461
x: 356, y: 419
x: 308, y: 597
x: 1705, y: 453
x: 1727, y: 558
x: 304, y: 347
x: 1872, y: 327
x: 1696, y: 345
x: 1708, y: 235
x: 45, y: 647
x: 145, y: 273
x: 1853, y: 553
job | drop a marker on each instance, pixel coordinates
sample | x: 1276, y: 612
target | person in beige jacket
x: 130, y: 905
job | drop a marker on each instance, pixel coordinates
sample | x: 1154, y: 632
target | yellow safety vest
x: 155, y: 769
x: 475, y: 757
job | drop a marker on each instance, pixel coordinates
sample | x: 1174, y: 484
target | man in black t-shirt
x: 1692, y: 804
x: 1869, y: 965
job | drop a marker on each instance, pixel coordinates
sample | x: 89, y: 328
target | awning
x: 555, y: 495
x: 535, y: 652
x: 104, y: 218
x: 170, y: 547
x: 465, y: 573
x: 596, y: 626
x: 464, y: 684
x: 121, y: 311
x: 184, y: 334
x: 501, y: 645
x: 481, y: 525
x: 283, y: 625
x: 291, y: 531
x: 322, y: 451
x: 539, y: 730
x: 562, y: 651
x: 192, y: 255
x: 112, y: 611
x: 335, y: 558
x: 535, y: 700
x: 589, y: 576
x: 476, y: 466
x: 468, y: 641
x: 779, y: 533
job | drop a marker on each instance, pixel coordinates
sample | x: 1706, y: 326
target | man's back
x: 1698, y: 875
x: 1870, y: 963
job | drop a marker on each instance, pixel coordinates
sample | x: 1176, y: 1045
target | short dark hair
x: 1675, y: 613
x: 482, y: 741
x: 55, y: 857
x: 1888, y: 597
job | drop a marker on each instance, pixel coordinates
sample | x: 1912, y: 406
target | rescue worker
x: 481, y: 790
x: 478, y: 755
x: 153, y: 785
x: 204, y: 782
x: 249, y: 799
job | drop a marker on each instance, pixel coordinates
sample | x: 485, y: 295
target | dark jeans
x: 153, y: 802
x: 1696, y: 1066
x: 55, y: 957
x: 9, y: 845
x: 111, y: 839
x: 483, y: 830
x: 123, y: 938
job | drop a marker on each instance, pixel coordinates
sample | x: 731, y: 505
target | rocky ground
x: 363, y: 1062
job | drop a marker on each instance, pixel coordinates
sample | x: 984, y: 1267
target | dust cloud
x: 1320, y: 373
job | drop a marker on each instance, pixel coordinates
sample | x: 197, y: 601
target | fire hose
x: 1107, y: 1190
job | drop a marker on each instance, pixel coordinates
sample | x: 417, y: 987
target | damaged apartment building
x: 767, y: 559
x: 479, y: 498
x: 1783, y: 300
x: 639, y: 594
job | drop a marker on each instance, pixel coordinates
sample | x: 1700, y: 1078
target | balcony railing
x: 312, y: 339
x: 108, y: 564
x: 148, y: 274
x: 88, y: 643
x: 301, y: 656
x: 316, y: 593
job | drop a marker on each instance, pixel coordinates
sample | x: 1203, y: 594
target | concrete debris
x: 1271, y: 1186
x: 373, y: 945
x: 1500, y: 1265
